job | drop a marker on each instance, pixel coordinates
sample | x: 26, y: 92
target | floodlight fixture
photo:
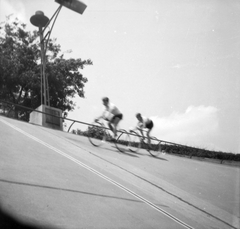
x: 42, y: 22
x: 74, y: 5
x: 39, y: 19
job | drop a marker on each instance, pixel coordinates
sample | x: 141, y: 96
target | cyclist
x: 144, y: 122
x: 111, y: 114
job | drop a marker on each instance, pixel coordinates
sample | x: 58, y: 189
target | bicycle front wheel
x: 134, y: 142
x: 96, y: 133
x: 122, y: 141
x: 155, y: 147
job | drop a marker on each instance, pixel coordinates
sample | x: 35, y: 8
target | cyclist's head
x: 105, y: 100
x: 138, y: 115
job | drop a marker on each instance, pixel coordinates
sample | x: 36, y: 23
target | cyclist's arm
x: 139, y: 127
x: 96, y: 119
x: 101, y: 116
x: 106, y: 115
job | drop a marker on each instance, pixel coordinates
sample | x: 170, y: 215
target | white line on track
x: 100, y: 175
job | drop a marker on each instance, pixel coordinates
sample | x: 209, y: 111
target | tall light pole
x: 43, y: 118
x: 42, y: 22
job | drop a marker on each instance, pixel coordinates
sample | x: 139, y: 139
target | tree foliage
x: 20, y: 65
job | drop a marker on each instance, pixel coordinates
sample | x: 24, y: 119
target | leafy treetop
x: 20, y: 69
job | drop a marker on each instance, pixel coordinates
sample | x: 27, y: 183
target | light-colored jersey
x: 144, y: 122
x: 111, y: 110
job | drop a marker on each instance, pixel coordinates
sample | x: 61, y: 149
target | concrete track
x: 53, y: 179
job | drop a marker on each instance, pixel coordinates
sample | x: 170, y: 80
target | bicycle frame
x: 103, y: 134
x: 153, y: 149
x: 98, y: 134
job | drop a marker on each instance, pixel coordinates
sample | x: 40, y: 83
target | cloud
x: 197, y: 126
x: 15, y: 8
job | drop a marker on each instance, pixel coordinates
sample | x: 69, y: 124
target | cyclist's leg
x: 115, y: 122
x: 148, y: 136
x: 110, y: 126
x: 149, y: 127
x: 140, y: 129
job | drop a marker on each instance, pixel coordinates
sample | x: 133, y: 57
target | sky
x: 174, y: 61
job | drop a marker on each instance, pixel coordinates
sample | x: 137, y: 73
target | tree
x: 20, y: 63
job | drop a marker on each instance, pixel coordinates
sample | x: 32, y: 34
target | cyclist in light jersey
x: 111, y: 114
x: 144, y: 122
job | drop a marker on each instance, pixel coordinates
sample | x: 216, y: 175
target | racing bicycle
x: 99, y: 134
x: 137, y: 141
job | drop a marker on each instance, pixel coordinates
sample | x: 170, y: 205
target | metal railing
x: 17, y: 111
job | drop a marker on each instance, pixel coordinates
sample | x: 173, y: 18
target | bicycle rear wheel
x: 134, y: 141
x: 96, y: 133
x: 122, y: 140
x: 155, y: 147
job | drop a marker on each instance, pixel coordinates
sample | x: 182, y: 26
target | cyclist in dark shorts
x: 144, y: 122
x: 111, y: 114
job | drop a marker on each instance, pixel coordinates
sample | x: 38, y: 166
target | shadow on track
x: 66, y: 190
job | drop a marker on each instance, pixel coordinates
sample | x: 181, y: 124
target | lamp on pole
x: 40, y: 20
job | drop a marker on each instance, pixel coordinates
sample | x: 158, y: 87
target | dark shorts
x: 120, y: 116
x: 149, y: 125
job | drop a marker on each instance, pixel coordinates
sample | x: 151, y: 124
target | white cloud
x: 16, y: 8
x: 197, y: 126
